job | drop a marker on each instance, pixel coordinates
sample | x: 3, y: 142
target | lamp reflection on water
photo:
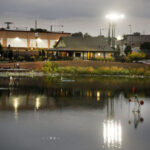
x: 112, y: 129
x: 112, y: 133
x: 37, y: 103
x: 98, y: 95
x: 16, y: 105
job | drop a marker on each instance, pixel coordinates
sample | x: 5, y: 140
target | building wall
x: 28, y: 39
x: 134, y: 40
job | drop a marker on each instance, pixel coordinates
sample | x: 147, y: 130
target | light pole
x: 113, y: 18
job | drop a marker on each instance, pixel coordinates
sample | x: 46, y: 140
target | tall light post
x: 113, y: 18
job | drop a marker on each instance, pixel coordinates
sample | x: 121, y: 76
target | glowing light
x: 115, y: 16
x: 37, y: 103
x: 17, y: 39
x: 39, y: 40
x: 119, y: 37
x: 112, y: 133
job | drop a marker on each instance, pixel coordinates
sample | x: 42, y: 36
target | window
x: 78, y: 55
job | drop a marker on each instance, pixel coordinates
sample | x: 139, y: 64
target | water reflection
x: 16, y: 105
x: 98, y: 95
x: 37, y: 103
x: 135, y: 105
x: 84, y: 111
x: 112, y: 129
x: 112, y: 133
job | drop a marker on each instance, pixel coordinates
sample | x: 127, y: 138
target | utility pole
x: 35, y: 24
x: 130, y: 29
x: 101, y: 29
x: 109, y: 39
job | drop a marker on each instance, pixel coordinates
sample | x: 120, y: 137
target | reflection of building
x: 29, y: 39
x: 112, y: 130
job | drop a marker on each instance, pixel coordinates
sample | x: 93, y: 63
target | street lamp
x: 113, y: 18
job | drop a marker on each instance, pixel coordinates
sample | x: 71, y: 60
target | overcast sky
x: 77, y: 15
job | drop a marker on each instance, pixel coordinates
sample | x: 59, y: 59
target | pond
x: 43, y: 113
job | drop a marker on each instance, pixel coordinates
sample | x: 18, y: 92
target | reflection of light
x: 16, y: 105
x: 112, y: 133
x: 108, y: 94
x: 98, y: 95
x: 89, y: 93
x: 37, y: 103
x: 115, y: 16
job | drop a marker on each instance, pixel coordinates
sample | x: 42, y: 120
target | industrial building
x: 23, y: 39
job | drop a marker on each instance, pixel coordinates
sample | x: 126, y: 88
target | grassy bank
x: 103, y: 70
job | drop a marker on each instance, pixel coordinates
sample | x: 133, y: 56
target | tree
x: 43, y: 53
x: 128, y: 50
x: 79, y: 34
x: 87, y: 35
x: 1, y: 49
x: 10, y: 54
x: 145, y: 45
x: 117, y: 52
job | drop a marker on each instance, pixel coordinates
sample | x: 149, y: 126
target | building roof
x: 80, y: 43
x: 33, y: 31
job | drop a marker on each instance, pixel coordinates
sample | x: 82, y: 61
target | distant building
x: 83, y: 47
x: 135, y: 40
x: 19, y: 39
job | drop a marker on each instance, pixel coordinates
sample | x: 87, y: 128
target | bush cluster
x: 134, y: 56
x: 114, y: 70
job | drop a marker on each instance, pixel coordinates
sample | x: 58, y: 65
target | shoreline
x: 76, y: 68
x: 53, y: 75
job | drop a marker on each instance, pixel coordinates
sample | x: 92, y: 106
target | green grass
x: 114, y: 70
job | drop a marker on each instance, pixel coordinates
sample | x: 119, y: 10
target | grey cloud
x: 137, y: 11
x: 74, y: 8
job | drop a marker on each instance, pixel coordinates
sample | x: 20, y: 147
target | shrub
x: 136, y: 56
x: 50, y: 67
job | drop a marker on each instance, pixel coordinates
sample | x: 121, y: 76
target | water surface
x: 73, y: 114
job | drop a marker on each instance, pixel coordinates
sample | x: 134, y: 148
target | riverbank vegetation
x: 52, y: 68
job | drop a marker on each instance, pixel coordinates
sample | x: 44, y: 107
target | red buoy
x: 141, y: 119
x: 130, y: 100
x: 142, y: 102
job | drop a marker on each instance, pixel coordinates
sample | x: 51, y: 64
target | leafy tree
x: 145, y: 45
x: 10, y: 54
x: 43, y: 53
x: 1, y: 49
x: 117, y: 52
x: 87, y: 35
x: 78, y: 34
x: 40, y: 53
x: 128, y: 50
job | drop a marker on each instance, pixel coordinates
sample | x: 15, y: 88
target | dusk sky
x: 77, y: 15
